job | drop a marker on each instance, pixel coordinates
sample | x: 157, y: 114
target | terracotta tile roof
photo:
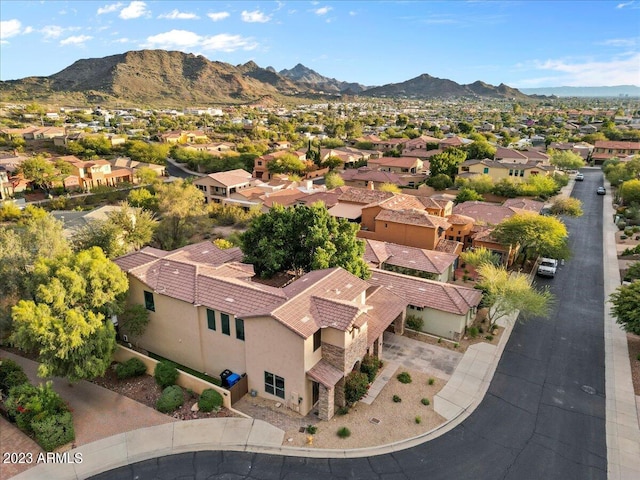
x: 432, y: 203
x: 402, y: 202
x: 134, y: 259
x: 428, y: 293
x: 412, y: 217
x: 502, y: 152
x: 449, y: 246
x: 231, y: 177
x: 170, y: 278
x: 419, y: 259
x: 524, y: 204
x: 457, y: 219
x: 329, y: 198
x: 334, y: 313
x: 617, y: 145
x: 204, y: 252
x: 400, y: 162
x: 363, y: 196
x: 385, y: 308
x: 366, y: 174
x: 485, y: 212
x: 485, y: 161
x: 325, y: 373
x: 283, y: 197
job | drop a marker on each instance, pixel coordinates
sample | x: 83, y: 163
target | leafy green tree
x: 506, y: 188
x: 565, y: 159
x: 143, y: 198
x: 38, y: 170
x: 180, y: 205
x: 506, y: 293
x: 288, y: 163
x: 333, y: 180
x: 479, y: 183
x: 630, y: 191
x: 147, y: 152
x: 134, y: 320
x: 538, y: 186
x: 626, y: 307
x: 447, y: 162
x: 480, y: 149
x: 301, y: 239
x: 479, y: 256
x: 537, y: 235
x: 467, y: 195
x: 567, y: 206
x: 146, y: 175
x: 68, y: 321
x: 465, y: 128
x: 441, y: 181
x: 331, y: 162
x: 633, y: 272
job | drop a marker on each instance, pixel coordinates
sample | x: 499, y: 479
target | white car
x: 547, y: 267
x: 579, y: 177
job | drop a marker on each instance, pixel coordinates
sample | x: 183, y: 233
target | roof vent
x: 305, y: 319
x: 348, y: 285
x: 422, y: 289
x: 229, y: 299
x: 205, y: 251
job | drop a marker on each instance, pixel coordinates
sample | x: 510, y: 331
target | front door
x: 315, y: 395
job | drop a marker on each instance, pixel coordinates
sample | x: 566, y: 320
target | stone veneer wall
x: 326, y: 404
x: 355, y: 352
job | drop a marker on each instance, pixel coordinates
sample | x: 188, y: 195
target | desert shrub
x: 165, y: 374
x: 418, y: 419
x: 312, y: 429
x: 404, y: 377
x: 638, y: 357
x: 209, y: 399
x: 456, y: 345
x: 489, y: 337
x: 11, y: 375
x: 621, y: 224
x: 355, y: 386
x: 171, y: 398
x: 425, y: 401
x: 396, y: 399
x: 27, y: 403
x: 431, y: 381
x: 134, y: 367
x: 370, y: 366
x: 473, y: 332
x: 631, y: 251
x: 342, y: 410
x: 344, y: 432
x: 54, y: 430
x: 414, y: 322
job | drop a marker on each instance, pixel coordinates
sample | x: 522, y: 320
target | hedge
x: 166, y: 374
x: 134, y: 367
x: 171, y: 398
x: 11, y: 375
x: 53, y: 431
x: 209, y: 399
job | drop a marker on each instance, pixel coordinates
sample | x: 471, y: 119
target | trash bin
x: 224, y: 376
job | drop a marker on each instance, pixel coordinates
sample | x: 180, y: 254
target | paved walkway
x: 463, y: 393
x: 13, y: 440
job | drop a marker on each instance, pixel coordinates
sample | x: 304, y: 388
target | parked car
x: 601, y: 191
x: 579, y: 177
x: 547, y: 267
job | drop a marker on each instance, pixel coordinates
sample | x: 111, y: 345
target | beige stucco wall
x: 404, y: 234
x: 442, y: 324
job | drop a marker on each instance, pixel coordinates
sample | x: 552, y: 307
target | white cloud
x: 121, y: 40
x: 134, y: 10
x: 184, y: 39
x: 322, y: 10
x: 52, y: 31
x: 109, y: 8
x: 353, y: 13
x: 10, y: 28
x: 619, y: 71
x: 27, y: 30
x: 620, y: 42
x: 76, y: 40
x: 178, y: 15
x: 622, y: 5
x: 255, y: 17
x: 217, y: 16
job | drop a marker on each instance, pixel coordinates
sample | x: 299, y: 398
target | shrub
x: 344, y: 432
x: 414, y: 322
x: 396, y: 399
x: 27, y: 403
x: 439, y: 339
x: 171, y: 398
x: 11, y: 375
x: 456, y: 345
x: 370, y: 366
x: 418, y: 419
x: 342, y: 410
x: 312, y: 429
x: 404, y: 377
x: 473, y: 332
x: 165, y: 374
x: 54, y: 430
x: 209, y: 399
x: 355, y: 386
x: 134, y: 367
x: 489, y: 337
x: 431, y: 381
x: 425, y: 401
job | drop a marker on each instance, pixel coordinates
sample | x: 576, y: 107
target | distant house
x: 605, y: 150
x: 366, y: 176
x: 95, y: 173
x: 184, y: 136
x: 261, y: 164
x: 219, y: 187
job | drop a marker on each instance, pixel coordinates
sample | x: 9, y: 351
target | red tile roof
x: 485, y: 212
x: 385, y: 308
x: 414, y: 258
x: 325, y: 373
x: 413, y: 217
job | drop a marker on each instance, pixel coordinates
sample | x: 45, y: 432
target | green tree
x: 479, y: 256
x: 180, y: 205
x: 632, y: 273
x: 146, y: 175
x: 331, y: 162
x: 38, y: 170
x: 467, y: 195
x: 506, y: 293
x: 565, y: 159
x: 479, y: 183
x: 630, y: 191
x: 480, y: 149
x: 288, y: 163
x: 143, y: 198
x: 567, y: 206
x: 626, y: 307
x: 441, y: 181
x: 390, y: 187
x: 134, y: 320
x: 333, y: 180
x: 447, y: 162
x: 537, y: 235
x: 68, y: 322
x: 301, y: 239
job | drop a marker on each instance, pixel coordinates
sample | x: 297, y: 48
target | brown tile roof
x: 412, y: 217
x: 334, y: 313
x: 419, y: 259
x: 283, y: 197
x: 325, y: 373
x: 457, y: 219
x: 432, y: 203
x: 449, y: 246
x: 402, y: 202
x: 502, y: 152
x: 205, y: 252
x: 400, y: 162
x: 428, y: 293
x: 329, y: 198
x: 363, y: 196
x: 617, y: 145
x: 485, y: 212
x: 231, y: 177
x: 385, y: 308
x: 134, y: 259
x: 366, y: 174
x: 524, y: 204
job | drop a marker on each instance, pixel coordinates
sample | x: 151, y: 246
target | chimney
x: 370, y: 185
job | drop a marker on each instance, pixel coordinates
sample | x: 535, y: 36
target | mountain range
x: 171, y: 78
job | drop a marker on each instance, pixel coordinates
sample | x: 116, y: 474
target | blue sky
x: 523, y: 44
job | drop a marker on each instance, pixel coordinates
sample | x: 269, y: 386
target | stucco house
x: 294, y: 344
x: 604, y: 150
x: 447, y: 310
x: 219, y: 187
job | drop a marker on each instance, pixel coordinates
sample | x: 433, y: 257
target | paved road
x: 542, y: 418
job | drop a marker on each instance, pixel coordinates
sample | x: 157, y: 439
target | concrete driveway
x: 423, y: 357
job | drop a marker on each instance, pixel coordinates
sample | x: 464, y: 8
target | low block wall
x: 185, y: 380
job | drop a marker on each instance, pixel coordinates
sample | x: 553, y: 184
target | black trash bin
x: 224, y: 376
